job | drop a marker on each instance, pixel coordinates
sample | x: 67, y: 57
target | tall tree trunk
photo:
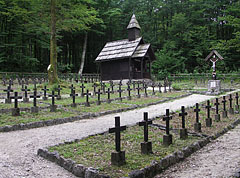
x: 83, y: 54
x: 52, y: 69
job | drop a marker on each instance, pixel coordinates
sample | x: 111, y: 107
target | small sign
x: 213, y: 84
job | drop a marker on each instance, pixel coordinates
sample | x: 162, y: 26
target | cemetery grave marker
x: 15, y: 110
x: 146, y: 146
x: 8, y: 99
x: 94, y: 89
x: 59, y: 92
x: 72, y: 88
x: 118, y: 157
x: 104, y: 88
x: 25, y: 99
x: 112, y: 86
x: 134, y: 87
x: 217, y: 115
x: 231, y: 110
x: 138, y: 91
x: 129, y: 91
x: 145, y: 90
x: 153, y: 88
x: 183, y: 130
x: 34, y: 109
x: 99, y: 95
x: 87, y: 94
x: 73, y: 95
x: 82, y: 90
x: 237, y: 105
x: 45, y: 92
x: 208, y: 119
x: 224, y: 113
x: 108, y: 93
x: 53, y: 107
x: 167, y: 138
x: 197, y: 125
x: 120, y: 92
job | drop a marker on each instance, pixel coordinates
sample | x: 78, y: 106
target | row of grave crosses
x: 24, y: 81
x: 118, y: 157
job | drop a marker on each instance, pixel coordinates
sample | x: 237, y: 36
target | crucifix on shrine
x: 214, y: 85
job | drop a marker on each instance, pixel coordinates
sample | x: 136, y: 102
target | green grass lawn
x: 26, y: 117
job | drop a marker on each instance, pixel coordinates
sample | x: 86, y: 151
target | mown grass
x: 26, y: 117
x: 95, y: 151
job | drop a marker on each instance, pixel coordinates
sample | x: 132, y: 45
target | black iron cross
x: 217, y: 104
x: 103, y: 88
x: 145, y: 89
x: 87, y: 94
x: 145, y: 123
x: 153, y: 87
x: 35, y: 96
x: 117, y: 130
x: 99, y: 95
x: 53, y: 97
x: 112, y: 85
x: 82, y: 89
x: 208, y: 107
x: 59, y: 90
x: 224, y: 103
x: 138, y: 90
x: 120, y: 92
x: 237, y: 98
x: 73, y: 95
x: 94, y: 88
x: 25, y: 91
x: 108, y: 93
x: 197, y: 110
x: 8, y: 90
x: 183, y: 114
x: 167, y: 118
x: 72, y: 88
x: 45, y: 91
x: 230, y: 100
x: 129, y: 90
x: 134, y: 83
x: 16, y: 98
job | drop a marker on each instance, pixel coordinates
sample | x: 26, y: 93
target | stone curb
x: 32, y: 125
x: 147, y: 172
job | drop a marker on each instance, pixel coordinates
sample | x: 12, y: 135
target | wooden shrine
x: 127, y: 59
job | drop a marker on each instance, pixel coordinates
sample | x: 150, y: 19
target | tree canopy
x: 182, y: 32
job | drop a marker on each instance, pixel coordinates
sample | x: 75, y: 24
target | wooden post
x: 142, y: 68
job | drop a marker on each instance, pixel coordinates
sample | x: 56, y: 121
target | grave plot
x: 216, y: 115
x: 124, y: 150
x: 95, y: 151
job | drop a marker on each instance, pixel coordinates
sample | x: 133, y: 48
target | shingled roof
x: 118, y: 49
x: 214, y: 52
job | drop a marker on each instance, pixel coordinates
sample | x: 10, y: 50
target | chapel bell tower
x: 134, y: 29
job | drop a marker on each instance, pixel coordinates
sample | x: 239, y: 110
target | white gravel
x: 219, y: 159
x: 18, y: 150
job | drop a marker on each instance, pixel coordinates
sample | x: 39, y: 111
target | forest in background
x: 182, y: 33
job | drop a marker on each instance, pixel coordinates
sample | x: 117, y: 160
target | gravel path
x: 218, y: 159
x: 18, y: 150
